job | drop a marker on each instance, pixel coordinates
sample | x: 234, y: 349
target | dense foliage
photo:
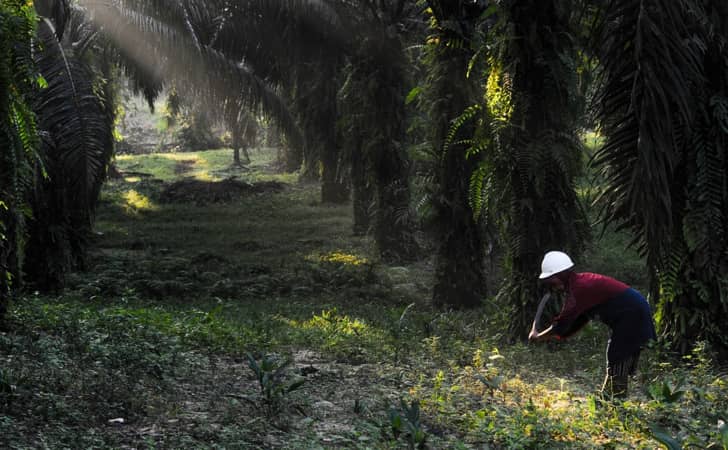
x: 18, y: 137
x: 665, y: 156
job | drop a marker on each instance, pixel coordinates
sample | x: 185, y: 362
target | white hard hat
x: 553, y: 263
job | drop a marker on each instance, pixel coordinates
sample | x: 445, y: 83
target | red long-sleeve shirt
x: 584, y: 291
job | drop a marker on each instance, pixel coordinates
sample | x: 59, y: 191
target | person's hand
x: 533, y: 334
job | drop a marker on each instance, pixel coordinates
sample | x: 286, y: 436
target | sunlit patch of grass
x: 126, y: 158
x: 340, y: 335
x: 206, y: 165
x: 164, y: 166
x: 135, y: 202
x: 132, y: 179
x: 206, y: 176
x: 183, y: 156
x: 340, y: 257
x: 331, y: 321
x: 288, y: 178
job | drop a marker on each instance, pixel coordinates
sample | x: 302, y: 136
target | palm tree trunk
x: 394, y: 229
x: 10, y: 274
x: 363, y: 193
x: 333, y: 189
x: 309, y: 164
x: 236, y: 144
x: 236, y: 156
x: 395, y: 225
x: 459, y: 260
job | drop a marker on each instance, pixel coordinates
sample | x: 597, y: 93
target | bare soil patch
x: 203, y: 192
x: 184, y: 166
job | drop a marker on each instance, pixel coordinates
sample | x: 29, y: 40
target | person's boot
x: 615, y: 386
x: 620, y: 386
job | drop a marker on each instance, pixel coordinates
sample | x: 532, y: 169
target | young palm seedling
x: 407, y: 418
x: 272, y: 380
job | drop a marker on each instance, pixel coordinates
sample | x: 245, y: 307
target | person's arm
x: 573, y: 327
x: 536, y: 335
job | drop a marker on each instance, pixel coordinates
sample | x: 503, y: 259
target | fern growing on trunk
x: 18, y: 137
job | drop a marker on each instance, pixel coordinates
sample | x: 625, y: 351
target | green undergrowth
x: 73, y: 366
x: 261, y: 322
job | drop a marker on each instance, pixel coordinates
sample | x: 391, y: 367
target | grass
x: 209, y: 165
x: 149, y: 347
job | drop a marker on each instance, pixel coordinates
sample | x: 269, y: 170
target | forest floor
x: 226, y: 307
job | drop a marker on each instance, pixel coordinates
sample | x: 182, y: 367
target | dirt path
x: 218, y: 396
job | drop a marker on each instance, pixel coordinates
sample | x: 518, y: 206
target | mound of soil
x: 202, y: 192
x: 184, y: 166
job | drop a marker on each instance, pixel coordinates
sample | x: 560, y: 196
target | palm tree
x: 375, y: 120
x: 663, y: 111
x: 57, y: 177
x: 76, y: 115
x: 307, y: 110
x: 356, y: 111
x: 394, y: 224
x: 530, y: 148
x: 317, y: 109
x: 459, y: 272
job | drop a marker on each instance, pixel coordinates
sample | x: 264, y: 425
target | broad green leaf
x: 42, y: 82
x: 413, y: 94
x: 665, y: 439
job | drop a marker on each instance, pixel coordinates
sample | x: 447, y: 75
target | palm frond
x: 196, y: 70
x: 72, y: 114
x: 293, y: 31
x: 642, y: 107
x: 76, y: 121
x: 58, y: 11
